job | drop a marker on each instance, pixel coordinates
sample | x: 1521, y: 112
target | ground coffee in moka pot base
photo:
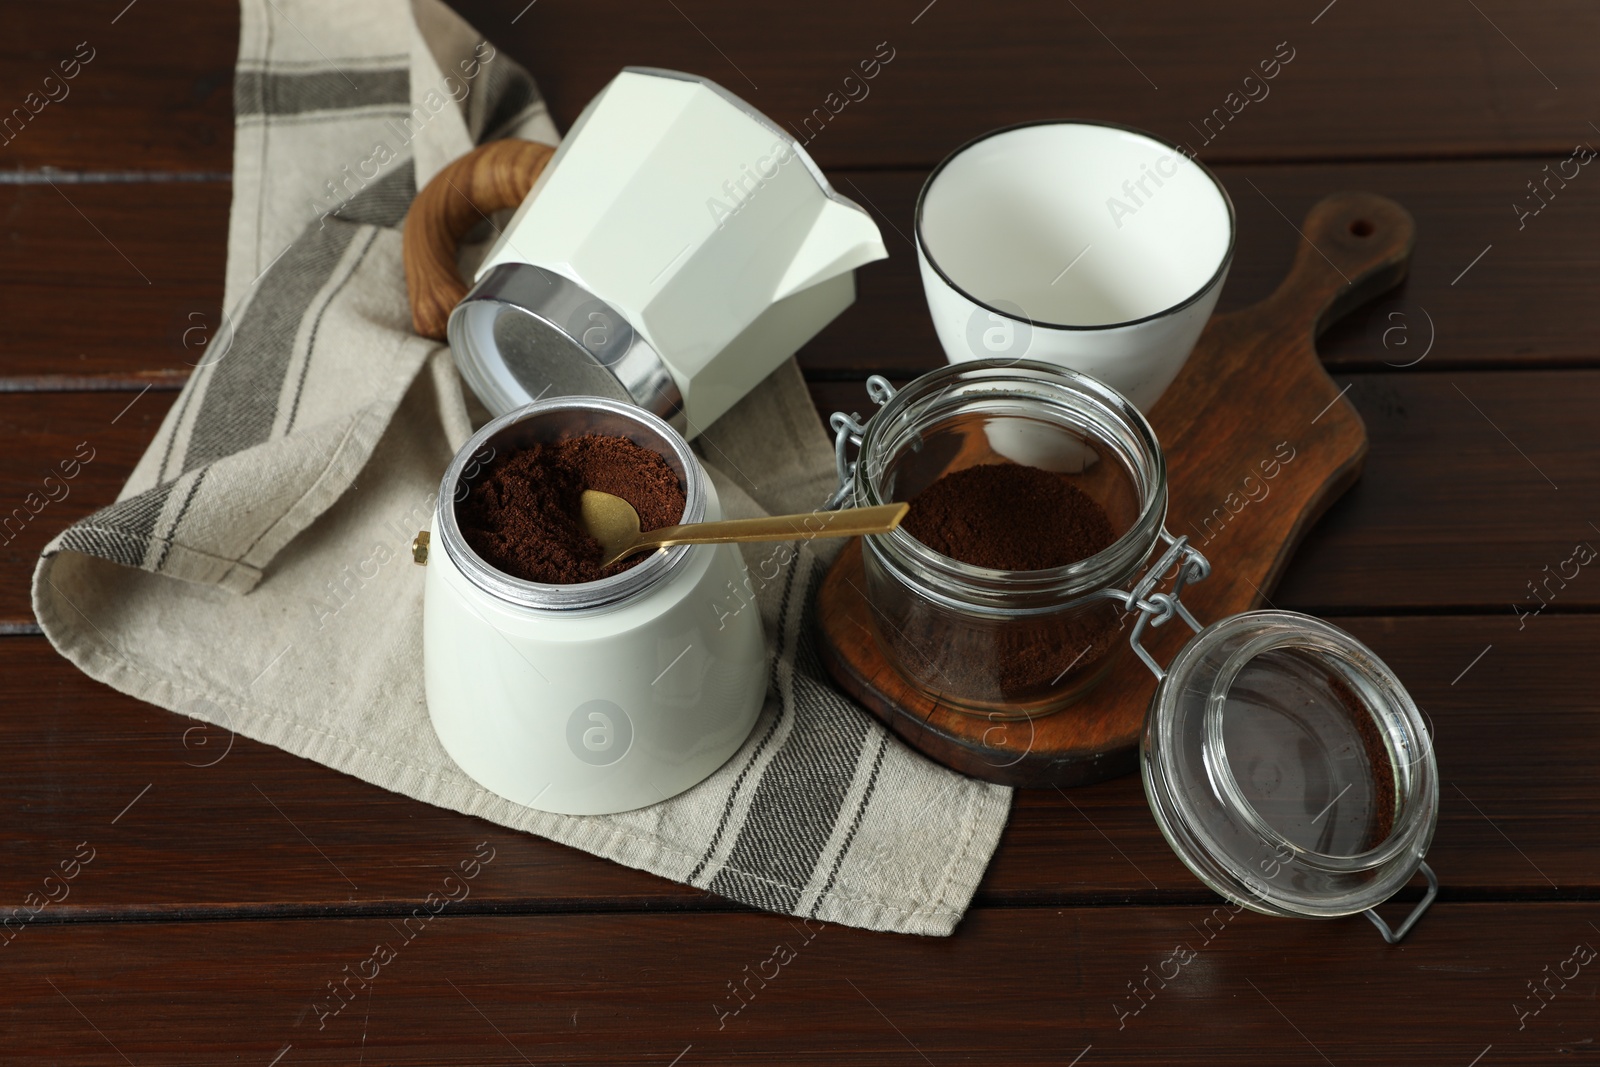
x: 523, y: 516
x: 1007, y: 516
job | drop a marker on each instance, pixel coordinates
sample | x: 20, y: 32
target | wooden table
x: 231, y: 882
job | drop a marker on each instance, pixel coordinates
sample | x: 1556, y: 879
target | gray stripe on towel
x: 122, y: 531
x: 799, y: 799
x: 240, y: 401
x: 260, y: 92
x: 755, y: 757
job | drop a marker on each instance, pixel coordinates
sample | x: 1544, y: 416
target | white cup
x: 1090, y: 245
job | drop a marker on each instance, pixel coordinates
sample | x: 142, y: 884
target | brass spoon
x: 612, y: 521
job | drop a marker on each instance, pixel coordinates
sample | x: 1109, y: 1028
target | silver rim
x: 524, y: 332
x: 553, y: 420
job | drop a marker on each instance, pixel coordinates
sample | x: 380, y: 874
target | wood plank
x: 1524, y: 303
x: 1020, y: 987
x: 1476, y: 484
x: 1518, y: 807
x: 1453, y: 509
x: 155, y: 95
x: 110, y: 281
x: 210, y: 823
x: 1421, y: 79
x: 1418, y: 80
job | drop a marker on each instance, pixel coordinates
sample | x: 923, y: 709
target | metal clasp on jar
x: 1156, y: 608
x: 847, y: 431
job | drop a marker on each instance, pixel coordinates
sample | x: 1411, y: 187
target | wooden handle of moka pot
x: 490, y: 177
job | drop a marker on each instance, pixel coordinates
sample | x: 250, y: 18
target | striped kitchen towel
x: 254, y: 571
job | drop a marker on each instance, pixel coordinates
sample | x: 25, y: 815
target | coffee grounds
x: 1378, y: 759
x: 523, y: 516
x: 1009, y: 517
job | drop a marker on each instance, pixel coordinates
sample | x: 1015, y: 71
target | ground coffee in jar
x: 1008, y: 516
x: 523, y: 516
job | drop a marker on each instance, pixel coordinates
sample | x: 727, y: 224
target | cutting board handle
x: 490, y: 177
x: 1357, y: 245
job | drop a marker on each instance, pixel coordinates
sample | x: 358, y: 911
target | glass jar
x: 1004, y: 644
x: 1290, y: 770
x: 1284, y: 762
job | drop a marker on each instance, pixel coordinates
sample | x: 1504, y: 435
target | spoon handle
x: 849, y: 522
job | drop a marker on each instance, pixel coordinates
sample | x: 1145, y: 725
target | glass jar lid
x: 1289, y: 768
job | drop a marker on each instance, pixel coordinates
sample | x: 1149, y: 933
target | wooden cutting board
x: 1252, y: 391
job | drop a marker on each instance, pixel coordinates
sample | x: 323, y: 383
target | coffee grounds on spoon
x: 524, y: 517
